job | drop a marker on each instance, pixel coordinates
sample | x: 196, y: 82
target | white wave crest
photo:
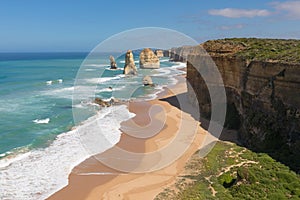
x: 96, y: 65
x: 114, y: 69
x: 41, y: 121
x: 164, y: 60
x: 42, y: 172
x: 90, y: 70
x: 101, y: 79
x: 123, y: 61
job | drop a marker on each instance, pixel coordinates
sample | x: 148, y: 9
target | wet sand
x: 130, y: 177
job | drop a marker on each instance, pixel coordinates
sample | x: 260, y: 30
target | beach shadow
x: 182, y: 102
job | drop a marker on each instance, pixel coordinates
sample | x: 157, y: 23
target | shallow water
x: 37, y: 148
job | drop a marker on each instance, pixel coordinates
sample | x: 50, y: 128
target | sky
x: 73, y: 25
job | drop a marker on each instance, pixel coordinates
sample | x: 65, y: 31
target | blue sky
x: 71, y: 25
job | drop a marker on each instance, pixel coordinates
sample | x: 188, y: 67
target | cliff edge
x: 262, y: 82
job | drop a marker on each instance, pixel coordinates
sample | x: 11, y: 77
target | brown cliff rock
x: 180, y: 54
x: 129, y: 68
x: 263, y: 99
x: 148, y: 60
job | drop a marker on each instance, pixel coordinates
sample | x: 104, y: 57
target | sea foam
x: 39, y: 173
x: 123, y: 61
x: 41, y: 121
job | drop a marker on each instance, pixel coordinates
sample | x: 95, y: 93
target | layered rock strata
x: 129, y: 68
x: 148, y: 59
x: 263, y: 96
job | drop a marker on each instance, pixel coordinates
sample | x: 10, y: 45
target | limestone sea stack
x: 129, y: 67
x: 147, y: 80
x: 148, y: 59
x: 159, y: 53
x: 113, y: 64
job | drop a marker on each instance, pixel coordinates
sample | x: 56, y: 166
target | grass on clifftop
x: 233, y: 172
x: 275, y: 50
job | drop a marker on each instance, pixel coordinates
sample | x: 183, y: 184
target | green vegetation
x: 233, y: 172
x: 264, y: 49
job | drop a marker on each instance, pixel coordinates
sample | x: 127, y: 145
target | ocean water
x: 38, y: 147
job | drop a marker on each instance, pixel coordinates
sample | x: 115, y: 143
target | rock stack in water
x: 148, y: 59
x: 147, y: 80
x: 159, y: 53
x: 113, y: 64
x: 129, y: 67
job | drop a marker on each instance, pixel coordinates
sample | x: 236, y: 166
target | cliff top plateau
x: 270, y: 50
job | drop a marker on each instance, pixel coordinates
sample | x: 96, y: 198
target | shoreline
x: 54, y: 163
x: 92, y: 179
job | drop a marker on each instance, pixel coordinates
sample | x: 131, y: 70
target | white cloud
x: 237, y: 13
x: 230, y: 27
x: 292, y: 8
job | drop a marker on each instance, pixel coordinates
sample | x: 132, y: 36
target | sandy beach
x: 95, y: 180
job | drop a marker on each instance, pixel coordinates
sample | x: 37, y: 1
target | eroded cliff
x: 148, y: 59
x: 129, y: 67
x: 262, y: 82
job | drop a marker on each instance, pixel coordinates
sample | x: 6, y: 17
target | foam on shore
x: 39, y: 173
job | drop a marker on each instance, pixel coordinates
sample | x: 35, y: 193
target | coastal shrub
x: 263, y: 49
x: 247, y: 174
x: 227, y: 180
x: 264, y: 179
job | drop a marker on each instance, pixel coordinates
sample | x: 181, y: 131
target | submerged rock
x: 148, y: 59
x: 113, y: 64
x: 101, y: 102
x: 129, y: 67
x: 147, y: 80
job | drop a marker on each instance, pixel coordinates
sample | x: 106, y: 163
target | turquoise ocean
x: 38, y: 146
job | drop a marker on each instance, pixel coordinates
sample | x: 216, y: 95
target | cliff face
x: 180, y: 54
x: 263, y: 99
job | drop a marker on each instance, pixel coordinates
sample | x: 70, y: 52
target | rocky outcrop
x: 159, y: 53
x: 129, y: 68
x: 167, y: 53
x: 180, y: 54
x: 102, y: 103
x: 148, y: 60
x: 263, y: 99
x: 113, y: 64
x: 147, y: 80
